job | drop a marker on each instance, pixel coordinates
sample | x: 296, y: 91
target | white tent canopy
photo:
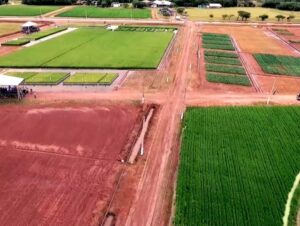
x: 30, y: 24
x: 10, y: 80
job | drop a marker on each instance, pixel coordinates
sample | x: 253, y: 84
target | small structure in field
x: 214, y: 5
x: 112, y: 27
x: 10, y: 87
x: 30, y: 27
x: 115, y: 4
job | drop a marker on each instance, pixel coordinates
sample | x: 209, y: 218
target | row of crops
x: 55, y: 78
x: 33, y: 37
x: 222, y: 66
x: 282, y: 31
x: 236, y: 169
x: 146, y: 29
x: 281, y: 65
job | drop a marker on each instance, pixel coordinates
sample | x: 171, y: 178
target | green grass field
x: 281, y: 65
x: 25, y: 10
x: 237, y: 165
x: 91, y: 79
x: 45, y: 33
x: 6, y: 28
x: 97, y: 12
x: 220, y: 54
x: 203, y: 14
x: 228, y: 79
x: 17, y: 42
x: 94, y: 48
x: 40, y: 78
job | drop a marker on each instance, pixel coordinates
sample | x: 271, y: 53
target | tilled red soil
x: 59, y: 166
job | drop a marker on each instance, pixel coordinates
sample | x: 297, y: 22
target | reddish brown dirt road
x: 59, y: 165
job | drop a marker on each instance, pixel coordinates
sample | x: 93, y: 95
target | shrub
x: 225, y: 69
x: 263, y: 17
x: 180, y: 10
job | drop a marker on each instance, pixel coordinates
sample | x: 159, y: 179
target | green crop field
x: 97, y: 12
x: 225, y: 69
x: 45, y: 33
x: 203, y: 14
x: 281, y: 65
x: 237, y: 165
x: 25, y: 10
x: 91, y: 78
x: 93, y: 48
x: 17, y: 42
x: 228, y: 79
x: 216, y: 41
x: 222, y: 60
x: 40, y: 78
x: 220, y: 54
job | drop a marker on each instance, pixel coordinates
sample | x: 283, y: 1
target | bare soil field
x: 60, y: 165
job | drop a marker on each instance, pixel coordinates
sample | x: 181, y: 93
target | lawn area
x: 228, y: 79
x: 94, y: 48
x: 45, y: 33
x: 17, y: 42
x: 25, y: 10
x: 6, y: 28
x: 84, y: 78
x: 203, y: 14
x: 281, y: 65
x: 237, y: 165
x: 97, y: 12
x: 40, y: 78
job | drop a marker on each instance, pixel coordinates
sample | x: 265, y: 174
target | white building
x: 214, y: 5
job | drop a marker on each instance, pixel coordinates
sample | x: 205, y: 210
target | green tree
x: 263, y: 17
x: 224, y: 16
x: 180, y: 10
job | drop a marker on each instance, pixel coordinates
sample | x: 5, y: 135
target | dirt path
x: 59, y: 11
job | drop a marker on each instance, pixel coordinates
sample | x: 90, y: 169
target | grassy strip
x: 225, y: 69
x: 281, y: 65
x: 218, y: 46
x: 146, y: 29
x: 108, y: 79
x: 228, y: 79
x: 46, y: 78
x: 97, y: 12
x: 216, y: 42
x: 25, y: 10
x: 25, y: 75
x: 220, y: 54
x: 222, y: 60
x: 17, y: 42
x: 232, y: 157
x: 214, y: 35
x: 42, y: 34
x: 295, y: 207
x: 84, y: 78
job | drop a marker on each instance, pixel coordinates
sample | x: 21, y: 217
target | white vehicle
x: 214, y: 5
x: 178, y: 18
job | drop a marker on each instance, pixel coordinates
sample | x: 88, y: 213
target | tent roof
x: 10, y: 80
x: 30, y: 24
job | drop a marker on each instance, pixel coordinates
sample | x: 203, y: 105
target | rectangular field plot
x: 45, y: 33
x: 96, y: 12
x: 94, y: 48
x: 281, y: 65
x: 91, y: 78
x: 25, y: 10
x: 217, y: 41
x: 237, y: 165
x: 41, y: 78
x: 60, y: 165
x: 228, y: 79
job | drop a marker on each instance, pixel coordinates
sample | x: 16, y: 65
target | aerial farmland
x: 149, y: 113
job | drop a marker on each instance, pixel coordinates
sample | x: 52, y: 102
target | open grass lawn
x: 6, y: 28
x: 25, y: 10
x: 94, y: 48
x: 237, y: 165
x: 97, y: 12
x: 40, y: 78
x: 85, y: 78
x: 45, y: 33
x: 203, y: 14
x: 281, y: 65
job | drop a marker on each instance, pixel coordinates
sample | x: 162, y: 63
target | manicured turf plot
x: 237, y: 165
x: 17, y: 42
x: 94, y: 48
x: 40, y: 78
x: 25, y: 10
x: 108, y: 79
x: 220, y: 54
x: 45, y: 33
x: 146, y: 29
x: 218, y: 46
x: 228, y: 79
x: 91, y: 78
x: 96, y: 12
x: 7, y: 28
x: 203, y: 14
x: 222, y: 60
x: 281, y: 65
x: 295, y: 207
x: 225, y: 69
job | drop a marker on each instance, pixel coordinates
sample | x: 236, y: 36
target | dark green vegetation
x: 24, y: 10
x: 17, y: 42
x: 217, y: 41
x: 41, y: 78
x: 295, y: 207
x: 228, y: 79
x: 283, y: 32
x: 281, y: 65
x: 227, y: 64
x: 91, y: 79
x: 45, y: 33
x: 146, y: 29
x: 100, y: 48
x: 237, y: 165
x: 96, y: 12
